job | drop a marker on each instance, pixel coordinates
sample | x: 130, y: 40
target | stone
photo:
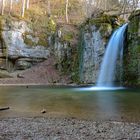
x: 22, y: 65
x: 43, y: 111
x: 20, y: 76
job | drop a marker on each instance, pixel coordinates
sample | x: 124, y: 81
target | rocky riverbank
x: 66, y: 129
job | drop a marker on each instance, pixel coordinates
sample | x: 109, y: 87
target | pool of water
x: 119, y: 104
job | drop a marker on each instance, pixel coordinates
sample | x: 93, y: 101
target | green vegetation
x: 68, y: 36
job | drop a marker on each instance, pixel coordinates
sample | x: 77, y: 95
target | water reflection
x: 107, y: 105
x: 114, y: 104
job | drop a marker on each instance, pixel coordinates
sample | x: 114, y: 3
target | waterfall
x: 114, y: 50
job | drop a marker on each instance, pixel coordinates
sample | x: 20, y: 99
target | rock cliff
x: 132, y: 52
x: 14, y: 48
x: 94, y: 35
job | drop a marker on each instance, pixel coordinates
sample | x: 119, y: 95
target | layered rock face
x: 65, y: 50
x: 16, y: 50
x: 93, y: 50
x: 22, y: 47
x: 132, y: 52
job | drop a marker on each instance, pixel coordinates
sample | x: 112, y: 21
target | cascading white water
x: 113, y: 51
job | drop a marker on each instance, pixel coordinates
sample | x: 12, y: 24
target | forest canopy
x: 66, y: 10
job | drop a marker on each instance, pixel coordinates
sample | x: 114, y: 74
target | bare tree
x: 27, y: 4
x: 67, y: 19
x: 49, y: 8
x: 11, y: 6
x: 2, y: 7
x: 23, y: 8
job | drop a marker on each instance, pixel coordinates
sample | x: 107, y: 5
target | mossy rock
x: 134, y: 14
x: 132, y: 53
x: 42, y: 39
x: 105, y: 29
x: 103, y: 19
x: 27, y: 40
x: 133, y: 25
x: 135, y: 50
x: 68, y: 36
x: 51, y: 27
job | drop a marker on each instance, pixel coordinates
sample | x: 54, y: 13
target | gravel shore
x: 41, y: 128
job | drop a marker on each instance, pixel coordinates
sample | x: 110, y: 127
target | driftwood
x: 4, y: 108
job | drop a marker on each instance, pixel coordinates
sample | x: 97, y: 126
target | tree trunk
x: 67, y: 19
x: 27, y: 4
x: 49, y: 8
x: 3, y: 6
x: 11, y: 6
x: 23, y: 8
x: 105, y: 5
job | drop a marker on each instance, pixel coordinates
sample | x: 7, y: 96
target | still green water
x: 71, y: 102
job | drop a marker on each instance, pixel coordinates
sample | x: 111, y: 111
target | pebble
x: 45, y: 128
x: 43, y: 111
x: 20, y: 76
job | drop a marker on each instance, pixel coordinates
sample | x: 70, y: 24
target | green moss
x: 135, y: 50
x: 131, y: 61
x: 42, y: 40
x: 102, y: 19
x: 28, y: 41
x: 68, y: 36
x: 134, y: 14
x: 51, y: 27
x: 133, y: 26
x: 105, y: 28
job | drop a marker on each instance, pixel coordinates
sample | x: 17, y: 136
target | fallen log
x: 4, y: 108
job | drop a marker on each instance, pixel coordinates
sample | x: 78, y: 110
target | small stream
x: 118, y: 105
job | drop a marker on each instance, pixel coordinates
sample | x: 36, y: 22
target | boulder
x: 22, y: 64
